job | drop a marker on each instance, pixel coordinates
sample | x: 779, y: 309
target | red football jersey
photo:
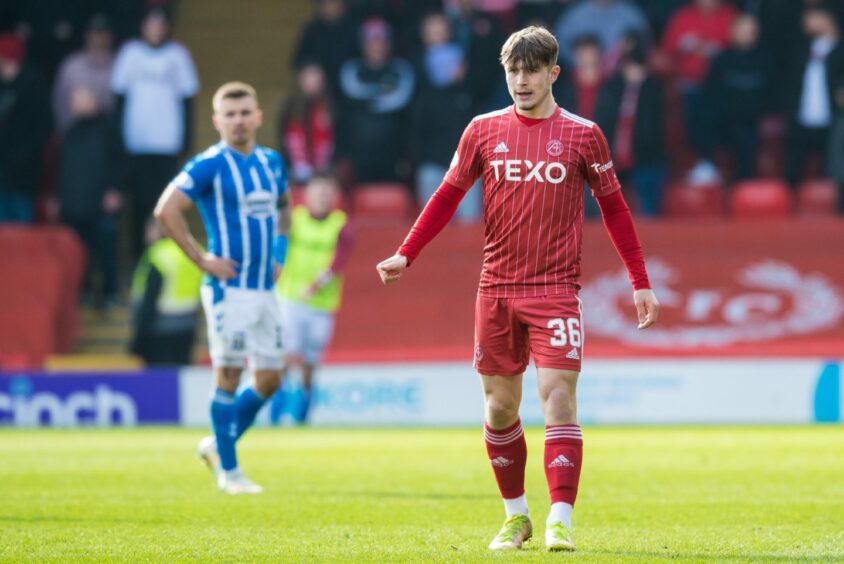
x: 533, y: 177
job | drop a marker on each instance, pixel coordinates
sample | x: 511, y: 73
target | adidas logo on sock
x: 501, y: 462
x: 561, y: 461
x: 572, y: 354
x: 500, y: 148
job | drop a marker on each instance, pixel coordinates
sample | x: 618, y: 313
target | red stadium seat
x: 761, y: 199
x: 382, y: 203
x: 704, y: 201
x: 43, y: 269
x: 817, y: 197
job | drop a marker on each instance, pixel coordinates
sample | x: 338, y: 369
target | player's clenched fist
x: 391, y: 269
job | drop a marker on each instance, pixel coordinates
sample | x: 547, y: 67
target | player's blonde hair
x: 530, y: 48
x: 234, y: 91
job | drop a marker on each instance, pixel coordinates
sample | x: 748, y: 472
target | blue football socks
x: 248, y: 403
x: 224, y: 424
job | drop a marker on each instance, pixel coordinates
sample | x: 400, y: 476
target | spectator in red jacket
x: 306, y: 131
x: 694, y: 35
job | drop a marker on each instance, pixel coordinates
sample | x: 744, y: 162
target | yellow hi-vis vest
x: 181, y: 278
x: 311, y: 249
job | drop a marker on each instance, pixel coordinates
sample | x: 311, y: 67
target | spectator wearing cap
x: 25, y: 125
x: 88, y: 68
x: 441, y: 110
x: 155, y: 80
x: 376, y: 93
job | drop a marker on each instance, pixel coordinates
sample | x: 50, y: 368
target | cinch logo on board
x: 102, y: 407
x: 519, y: 170
x: 761, y: 301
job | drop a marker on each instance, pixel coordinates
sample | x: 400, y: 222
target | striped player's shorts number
x: 566, y: 332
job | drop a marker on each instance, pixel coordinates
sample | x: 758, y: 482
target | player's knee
x: 501, y: 410
x: 560, y: 404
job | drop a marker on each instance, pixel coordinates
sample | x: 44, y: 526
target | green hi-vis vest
x: 311, y: 249
x: 181, y: 278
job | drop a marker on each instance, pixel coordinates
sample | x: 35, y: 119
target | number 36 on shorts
x: 565, y: 332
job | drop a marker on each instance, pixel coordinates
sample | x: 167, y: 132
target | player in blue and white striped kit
x: 239, y: 188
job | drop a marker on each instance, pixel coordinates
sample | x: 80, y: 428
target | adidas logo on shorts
x: 572, y: 354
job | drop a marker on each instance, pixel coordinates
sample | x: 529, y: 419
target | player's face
x: 238, y: 120
x: 321, y: 196
x: 531, y: 88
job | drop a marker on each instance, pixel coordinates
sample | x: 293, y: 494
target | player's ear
x: 260, y: 116
x: 555, y: 73
x: 215, y: 121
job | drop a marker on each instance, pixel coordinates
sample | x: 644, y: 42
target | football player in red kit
x: 534, y: 158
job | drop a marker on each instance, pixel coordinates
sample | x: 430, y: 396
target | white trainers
x: 235, y: 482
x: 207, y: 452
x: 516, y: 530
x: 558, y: 538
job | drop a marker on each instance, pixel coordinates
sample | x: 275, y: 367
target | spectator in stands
x: 543, y: 13
x: 658, y: 12
x: 87, y: 199
x: 737, y: 88
x: 815, y: 71
x: 377, y: 90
x: 481, y: 38
x: 155, y: 81
x: 330, y: 39
x: 835, y: 164
x: 89, y: 68
x: 440, y: 112
x: 607, y: 20
x: 695, y: 34
x: 577, y: 90
x: 165, y: 302
x: 25, y: 125
x: 50, y: 29
x: 631, y: 113
x: 306, y: 129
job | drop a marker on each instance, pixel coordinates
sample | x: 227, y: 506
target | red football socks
x: 563, y: 456
x: 507, y: 451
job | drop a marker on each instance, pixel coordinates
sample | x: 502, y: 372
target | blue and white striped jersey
x: 237, y: 196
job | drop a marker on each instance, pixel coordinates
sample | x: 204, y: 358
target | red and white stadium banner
x: 727, y: 289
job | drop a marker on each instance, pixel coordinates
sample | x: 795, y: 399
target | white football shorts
x: 306, y: 330
x: 243, y: 324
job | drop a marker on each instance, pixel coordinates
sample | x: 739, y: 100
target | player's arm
x: 285, y: 219
x: 170, y: 213
x: 619, y: 224
x: 342, y: 254
x: 465, y: 169
x: 437, y: 213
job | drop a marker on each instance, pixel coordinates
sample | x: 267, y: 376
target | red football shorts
x: 508, y: 331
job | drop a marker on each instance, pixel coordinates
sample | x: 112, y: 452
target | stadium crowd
x: 96, y: 98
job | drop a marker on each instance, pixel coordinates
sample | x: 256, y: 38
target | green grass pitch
x: 419, y: 495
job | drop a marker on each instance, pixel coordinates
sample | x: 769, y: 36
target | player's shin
x: 507, y: 452
x: 563, y: 457
x: 249, y: 402
x: 224, y: 424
